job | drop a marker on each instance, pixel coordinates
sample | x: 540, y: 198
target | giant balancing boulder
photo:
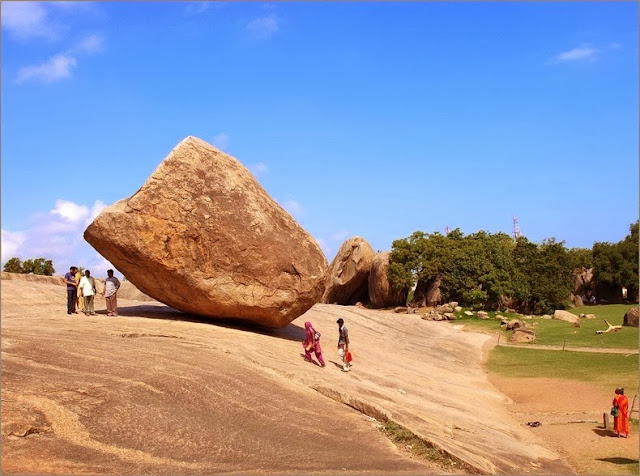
x: 204, y: 237
x: 381, y: 293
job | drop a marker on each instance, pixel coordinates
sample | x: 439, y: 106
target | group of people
x: 81, y: 291
x: 312, y: 344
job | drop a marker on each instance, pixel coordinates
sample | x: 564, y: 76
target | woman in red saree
x: 312, y: 344
x: 621, y: 422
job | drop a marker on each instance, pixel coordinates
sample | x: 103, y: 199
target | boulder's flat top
x: 154, y: 391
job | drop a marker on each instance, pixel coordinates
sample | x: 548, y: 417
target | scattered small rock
x: 400, y: 309
x: 457, y: 309
x: 483, y: 315
x: 468, y: 313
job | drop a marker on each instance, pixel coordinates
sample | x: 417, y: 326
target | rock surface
x: 565, y: 316
x: 157, y: 392
x: 347, y: 279
x: 204, y: 237
x: 381, y: 294
x: 427, y: 292
x: 631, y: 317
x: 523, y: 335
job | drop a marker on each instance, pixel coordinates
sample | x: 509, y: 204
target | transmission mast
x: 446, y: 230
x: 516, y: 228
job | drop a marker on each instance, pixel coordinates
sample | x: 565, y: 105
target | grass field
x: 553, y: 332
x: 607, y: 371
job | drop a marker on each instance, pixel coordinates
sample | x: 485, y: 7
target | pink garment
x: 310, y: 344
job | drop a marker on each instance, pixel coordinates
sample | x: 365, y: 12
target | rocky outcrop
x: 381, y: 293
x: 202, y: 236
x: 631, y: 317
x: 565, y: 316
x: 347, y: 279
x: 427, y: 292
x: 523, y: 335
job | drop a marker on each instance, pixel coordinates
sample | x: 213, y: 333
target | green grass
x: 607, y: 371
x: 403, y: 437
x: 553, y: 332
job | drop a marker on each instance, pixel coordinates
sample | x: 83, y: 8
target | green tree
x: 13, y: 265
x: 39, y: 266
x: 617, y: 264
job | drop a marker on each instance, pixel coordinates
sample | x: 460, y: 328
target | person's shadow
x: 604, y: 432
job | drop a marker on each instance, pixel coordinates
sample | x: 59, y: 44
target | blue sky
x: 369, y: 119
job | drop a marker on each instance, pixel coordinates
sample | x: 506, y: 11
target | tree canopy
x: 36, y: 266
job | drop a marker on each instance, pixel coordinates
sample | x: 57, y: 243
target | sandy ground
x: 154, y: 391
x: 571, y: 417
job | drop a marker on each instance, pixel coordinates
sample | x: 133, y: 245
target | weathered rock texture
x: 631, y: 317
x: 565, y: 316
x: 204, y: 237
x: 381, y: 294
x: 427, y: 292
x: 348, y: 274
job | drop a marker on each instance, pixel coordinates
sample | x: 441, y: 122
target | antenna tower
x: 516, y: 229
x: 446, y: 230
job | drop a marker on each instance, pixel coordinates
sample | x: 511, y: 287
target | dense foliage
x: 617, y: 264
x: 487, y: 270
x: 36, y: 266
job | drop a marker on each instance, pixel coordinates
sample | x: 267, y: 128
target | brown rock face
x: 204, y: 237
x: 347, y: 277
x: 427, y: 292
x: 631, y: 317
x: 381, y: 294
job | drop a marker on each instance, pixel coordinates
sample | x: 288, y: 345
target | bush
x: 39, y: 266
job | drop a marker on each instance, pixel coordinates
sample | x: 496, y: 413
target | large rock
x: 523, y: 335
x: 631, y: 317
x: 204, y: 237
x: 427, y: 292
x: 347, y: 279
x: 381, y: 294
x: 565, y: 316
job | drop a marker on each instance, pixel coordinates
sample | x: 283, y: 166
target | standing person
x: 312, y: 343
x: 343, y: 344
x: 111, y: 286
x: 88, y: 286
x: 621, y: 420
x: 80, y: 304
x: 72, y: 289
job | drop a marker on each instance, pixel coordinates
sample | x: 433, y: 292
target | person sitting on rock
x: 312, y: 344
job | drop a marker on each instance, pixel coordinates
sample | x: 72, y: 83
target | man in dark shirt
x: 72, y: 290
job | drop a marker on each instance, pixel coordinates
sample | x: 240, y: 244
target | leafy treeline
x: 36, y: 266
x: 493, y: 271
x: 616, y: 265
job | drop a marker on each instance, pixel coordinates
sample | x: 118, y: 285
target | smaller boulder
x: 498, y: 316
x: 444, y: 308
x: 590, y: 316
x: 631, y: 317
x: 514, y: 324
x: 523, y: 335
x: 400, y: 309
x: 437, y: 317
x: 450, y: 316
x: 545, y: 316
x: 565, y: 316
x: 483, y: 315
x: 457, y: 308
x: 427, y: 317
x: 504, y: 322
x: 468, y: 313
x: 576, y: 324
x: 453, y: 304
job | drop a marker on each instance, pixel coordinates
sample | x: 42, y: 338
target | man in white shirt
x: 111, y: 286
x: 88, y: 286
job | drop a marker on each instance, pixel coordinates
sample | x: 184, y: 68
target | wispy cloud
x: 221, y: 140
x: 332, y: 242
x: 55, y: 68
x: 583, y: 54
x: 294, y: 208
x: 57, y: 235
x: 25, y: 20
x: 258, y: 169
x: 264, y: 26
x: 60, y: 66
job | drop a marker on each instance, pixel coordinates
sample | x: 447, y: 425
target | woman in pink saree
x: 312, y: 344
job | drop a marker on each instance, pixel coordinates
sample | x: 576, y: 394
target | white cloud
x: 332, y: 242
x: 264, y: 26
x: 577, y: 54
x: 70, y: 211
x: 11, y: 242
x: 221, y: 140
x: 58, y: 235
x: 24, y: 20
x: 56, y: 68
x: 258, y: 169
x: 196, y: 8
x: 294, y: 208
x: 89, y: 45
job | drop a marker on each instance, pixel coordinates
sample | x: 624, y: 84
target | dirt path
x: 598, y: 350
x: 571, y: 417
x: 155, y: 391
